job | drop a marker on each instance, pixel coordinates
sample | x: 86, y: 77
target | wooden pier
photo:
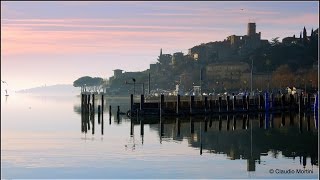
x: 206, y: 105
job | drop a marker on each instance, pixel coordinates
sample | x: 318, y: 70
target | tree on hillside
x: 87, y: 83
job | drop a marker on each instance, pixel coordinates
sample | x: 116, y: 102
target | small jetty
x: 208, y: 105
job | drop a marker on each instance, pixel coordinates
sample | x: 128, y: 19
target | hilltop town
x: 228, y: 65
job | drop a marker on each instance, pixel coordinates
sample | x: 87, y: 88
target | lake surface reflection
x: 46, y: 137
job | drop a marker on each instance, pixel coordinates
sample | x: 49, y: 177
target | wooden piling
x: 178, y: 104
x: 234, y: 123
x: 244, y: 106
x: 228, y: 99
x: 283, y: 102
x: 228, y: 123
x: 220, y: 123
x: 205, y: 124
x: 191, y: 126
x: 211, y: 105
x: 205, y: 104
x: 102, y: 105
x: 93, y: 103
x: 178, y: 124
x: 131, y: 104
x: 191, y: 104
x: 291, y: 102
x: 248, y: 102
x: 141, y: 102
x: 220, y: 103
x: 234, y: 101
x: 99, y: 114
x: 161, y: 103
x: 141, y: 128
x: 118, y: 111
x: 300, y: 103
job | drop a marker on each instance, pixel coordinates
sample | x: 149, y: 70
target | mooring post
x: 291, y: 102
x: 272, y: 101
x: 178, y: 124
x: 118, y: 111
x: 283, y: 102
x: 89, y: 98
x: 244, y: 102
x: 300, y: 102
x: 260, y: 101
x: 205, y: 124
x: 99, y: 114
x: 234, y: 123
x: 131, y: 104
x: 93, y: 122
x: 248, y: 102
x: 220, y: 103
x: 243, y: 122
x: 191, y: 104
x: 211, y: 105
x: 93, y: 103
x: 102, y: 104
x: 141, y: 127
x: 228, y: 123
x: 266, y: 102
x: 308, y: 101
x: 220, y: 123
x: 191, y: 125
x: 283, y: 119
x: 234, y: 103
x: 141, y: 102
x: 178, y: 104
x: 161, y: 103
x: 205, y: 104
x: 228, y: 99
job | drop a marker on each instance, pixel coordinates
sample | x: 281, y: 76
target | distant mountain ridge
x: 53, y: 89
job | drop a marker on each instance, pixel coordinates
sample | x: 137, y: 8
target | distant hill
x: 54, y: 89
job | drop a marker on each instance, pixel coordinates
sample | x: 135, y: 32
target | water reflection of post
x: 267, y: 119
x: 308, y: 122
x: 200, y: 139
x: 191, y: 126
x: 291, y: 118
x: 247, y: 121
x: 205, y: 124
x: 220, y: 123
x: 178, y: 124
x: 251, y: 165
x: 88, y: 116
x: 102, y: 124
x: 260, y: 120
x: 131, y: 126
x: 283, y: 120
x: 161, y: 129
x: 271, y: 121
x: 300, y: 123
x: 141, y: 129
x: 110, y: 114
x: 304, y: 161
x: 234, y: 123
x: 243, y: 121
x: 228, y: 123
x: 99, y: 114
x: 316, y: 118
x: 92, y: 121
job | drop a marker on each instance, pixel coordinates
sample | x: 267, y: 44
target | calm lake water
x: 43, y: 137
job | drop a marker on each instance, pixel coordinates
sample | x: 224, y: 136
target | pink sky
x: 58, y: 43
